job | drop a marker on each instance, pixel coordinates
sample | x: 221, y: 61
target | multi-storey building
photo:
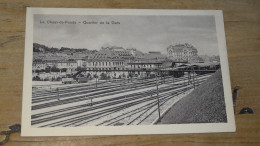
x: 104, y: 64
x: 38, y: 65
x: 70, y: 64
x: 182, y: 52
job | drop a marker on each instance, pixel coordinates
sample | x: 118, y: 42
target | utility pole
x: 164, y: 77
x: 189, y: 77
x: 131, y: 77
x: 184, y: 78
x: 193, y: 79
x: 158, y: 100
x: 58, y: 94
x: 173, y: 78
x: 96, y: 73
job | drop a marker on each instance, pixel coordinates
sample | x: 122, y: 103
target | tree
x: 37, y: 71
x: 63, y: 69
x: 58, y: 79
x: 95, y: 76
x: 103, y: 76
x: 124, y: 75
x: 78, y: 68
x: 89, y: 76
x: 55, y: 69
x: 36, y: 78
x: 47, y: 69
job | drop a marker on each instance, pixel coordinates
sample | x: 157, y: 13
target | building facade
x: 182, y: 52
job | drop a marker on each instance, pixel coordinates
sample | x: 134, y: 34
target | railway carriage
x: 204, y: 68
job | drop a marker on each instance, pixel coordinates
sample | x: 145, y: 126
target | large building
x: 107, y: 60
x: 70, y: 65
x: 182, y: 52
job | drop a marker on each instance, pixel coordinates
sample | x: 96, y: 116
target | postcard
x: 125, y: 72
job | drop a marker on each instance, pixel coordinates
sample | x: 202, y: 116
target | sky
x: 145, y: 33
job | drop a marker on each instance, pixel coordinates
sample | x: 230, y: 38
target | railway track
x: 99, y: 110
x: 85, y: 95
x: 78, y: 88
x: 144, y: 110
x: 64, y: 93
x: 101, y: 113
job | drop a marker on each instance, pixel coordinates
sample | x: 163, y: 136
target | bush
x: 58, y: 79
x: 64, y: 70
x: 78, y: 68
x: 47, y: 69
x: 95, y: 76
x: 124, y: 75
x: 55, y: 69
x: 46, y: 79
x: 36, y: 78
x: 89, y: 76
x: 37, y: 71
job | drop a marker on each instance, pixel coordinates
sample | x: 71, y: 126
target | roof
x: 145, y: 62
x: 182, y: 47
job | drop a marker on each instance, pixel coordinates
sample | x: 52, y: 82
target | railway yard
x: 111, y: 103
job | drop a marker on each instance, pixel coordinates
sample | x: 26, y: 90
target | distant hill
x: 42, y: 48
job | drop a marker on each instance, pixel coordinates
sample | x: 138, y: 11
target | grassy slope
x: 203, y: 105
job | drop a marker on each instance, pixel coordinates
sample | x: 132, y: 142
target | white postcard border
x: 27, y: 130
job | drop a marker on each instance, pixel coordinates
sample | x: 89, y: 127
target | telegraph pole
x: 158, y: 100
x: 193, y: 79
x: 96, y: 73
x: 58, y: 92
x: 173, y: 78
x: 184, y: 78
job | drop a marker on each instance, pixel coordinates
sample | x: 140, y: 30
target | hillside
x: 203, y: 105
x: 42, y: 48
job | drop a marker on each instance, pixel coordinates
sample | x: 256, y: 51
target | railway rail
x: 77, y: 115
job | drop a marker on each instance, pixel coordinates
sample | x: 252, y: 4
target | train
x: 76, y: 78
x: 200, y: 68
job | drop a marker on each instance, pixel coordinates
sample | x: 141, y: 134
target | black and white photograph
x: 125, y: 72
